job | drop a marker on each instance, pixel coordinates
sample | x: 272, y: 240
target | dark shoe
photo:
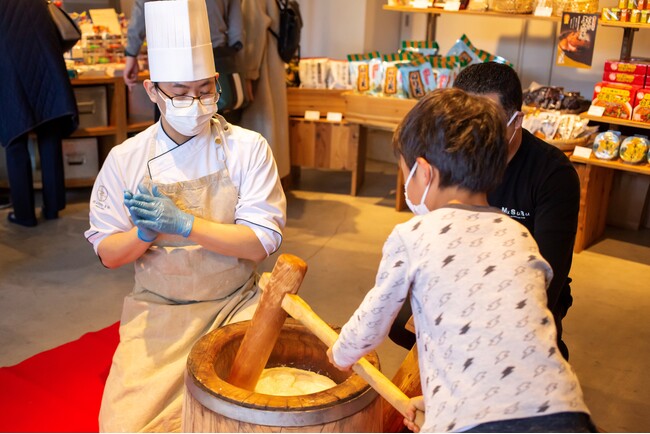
x: 29, y: 223
x: 49, y: 215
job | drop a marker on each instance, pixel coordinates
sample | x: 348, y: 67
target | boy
x: 476, y: 282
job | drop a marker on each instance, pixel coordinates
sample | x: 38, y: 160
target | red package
x: 641, y: 112
x: 618, y: 99
x: 630, y: 67
x: 622, y: 77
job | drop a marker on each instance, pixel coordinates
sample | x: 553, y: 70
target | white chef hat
x: 178, y: 40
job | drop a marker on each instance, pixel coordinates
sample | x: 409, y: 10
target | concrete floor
x: 53, y: 289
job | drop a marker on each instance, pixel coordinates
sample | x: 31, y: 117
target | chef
x: 195, y: 203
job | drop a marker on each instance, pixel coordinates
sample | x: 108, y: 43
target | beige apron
x: 182, y: 291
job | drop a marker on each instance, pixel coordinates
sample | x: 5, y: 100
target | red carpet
x: 59, y: 390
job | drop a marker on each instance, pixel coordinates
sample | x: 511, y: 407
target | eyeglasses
x: 184, y: 101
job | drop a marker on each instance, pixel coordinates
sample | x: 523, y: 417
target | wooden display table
x: 596, y: 178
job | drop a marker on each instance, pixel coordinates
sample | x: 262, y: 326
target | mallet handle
x: 300, y: 310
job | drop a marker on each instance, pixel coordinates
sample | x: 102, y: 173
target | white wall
x: 336, y: 28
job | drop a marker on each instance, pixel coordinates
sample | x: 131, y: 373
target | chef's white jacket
x: 249, y: 160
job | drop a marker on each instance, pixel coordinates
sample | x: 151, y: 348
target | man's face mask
x: 421, y: 208
x: 188, y: 115
x: 512, y: 119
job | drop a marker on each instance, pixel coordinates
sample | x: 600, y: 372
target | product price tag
x: 543, y: 11
x: 312, y: 115
x: 334, y: 116
x: 596, y: 110
x: 452, y: 5
x: 581, y: 151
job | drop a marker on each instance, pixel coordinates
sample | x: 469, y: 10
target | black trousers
x: 19, y: 170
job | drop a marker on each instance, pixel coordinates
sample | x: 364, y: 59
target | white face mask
x: 512, y: 118
x: 188, y: 121
x: 421, y: 208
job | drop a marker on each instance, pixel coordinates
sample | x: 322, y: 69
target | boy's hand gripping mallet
x: 298, y: 309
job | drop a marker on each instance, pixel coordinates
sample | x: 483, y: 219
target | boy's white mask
x: 421, y: 208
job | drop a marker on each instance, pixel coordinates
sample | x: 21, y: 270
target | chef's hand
x: 415, y: 403
x: 159, y: 213
x: 144, y: 234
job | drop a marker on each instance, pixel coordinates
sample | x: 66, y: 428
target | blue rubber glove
x: 159, y: 213
x: 144, y: 234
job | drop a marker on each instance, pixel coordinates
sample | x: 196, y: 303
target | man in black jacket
x: 540, y: 189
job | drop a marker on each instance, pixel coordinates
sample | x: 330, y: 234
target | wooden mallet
x: 265, y: 327
x: 298, y: 309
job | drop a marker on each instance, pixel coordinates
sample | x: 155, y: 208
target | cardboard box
x: 639, y: 67
x: 80, y: 158
x: 622, y: 77
x: 92, y: 105
x: 618, y: 99
x: 641, y: 111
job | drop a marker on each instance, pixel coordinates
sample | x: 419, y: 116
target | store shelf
x: 136, y: 127
x: 615, y: 121
x: 94, y: 132
x: 440, y: 11
x: 643, y: 169
x: 624, y: 25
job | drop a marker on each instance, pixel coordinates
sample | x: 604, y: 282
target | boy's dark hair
x: 492, y: 77
x: 462, y: 135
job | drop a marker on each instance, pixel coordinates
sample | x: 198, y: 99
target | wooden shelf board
x: 95, y: 131
x: 440, y: 11
x: 79, y: 182
x: 137, y: 126
x: 615, y: 121
x: 617, y: 164
x: 88, y: 81
x: 624, y: 25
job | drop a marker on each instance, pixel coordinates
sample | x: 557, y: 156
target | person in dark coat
x: 37, y: 97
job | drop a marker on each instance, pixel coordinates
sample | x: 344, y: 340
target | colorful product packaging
x: 445, y: 69
x: 426, y: 48
x: 466, y: 52
x: 622, y: 77
x: 417, y: 78
x: 391, y: 83
x: 617, y: 98
x: 633, y: 66
x: 364, y: 69
x: 641, y: 112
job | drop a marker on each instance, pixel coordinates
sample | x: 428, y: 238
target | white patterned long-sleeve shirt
x: 486, y: 340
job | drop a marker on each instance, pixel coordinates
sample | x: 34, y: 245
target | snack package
x: 417, y: 78
x: 641, y: 112
x: 606, y: 145
x: 554, y: 125
x: 633, y: 66
x: 390, y: 83
x: 622, y: 77
x: 618, y: 99
x: 466, y: 52
x: 339, y: 75
x: 313, y: 72
x: 634, y: 149
x: 445, y: 70
x: 426, y: 48
x: 364, y: 69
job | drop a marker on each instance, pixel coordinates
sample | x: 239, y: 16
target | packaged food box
x: 606, y: 145
x: 634, y: 149
x: 641, y: 111
x: 617, y: 98
x: 633, y: 66
x: 622, y: 77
